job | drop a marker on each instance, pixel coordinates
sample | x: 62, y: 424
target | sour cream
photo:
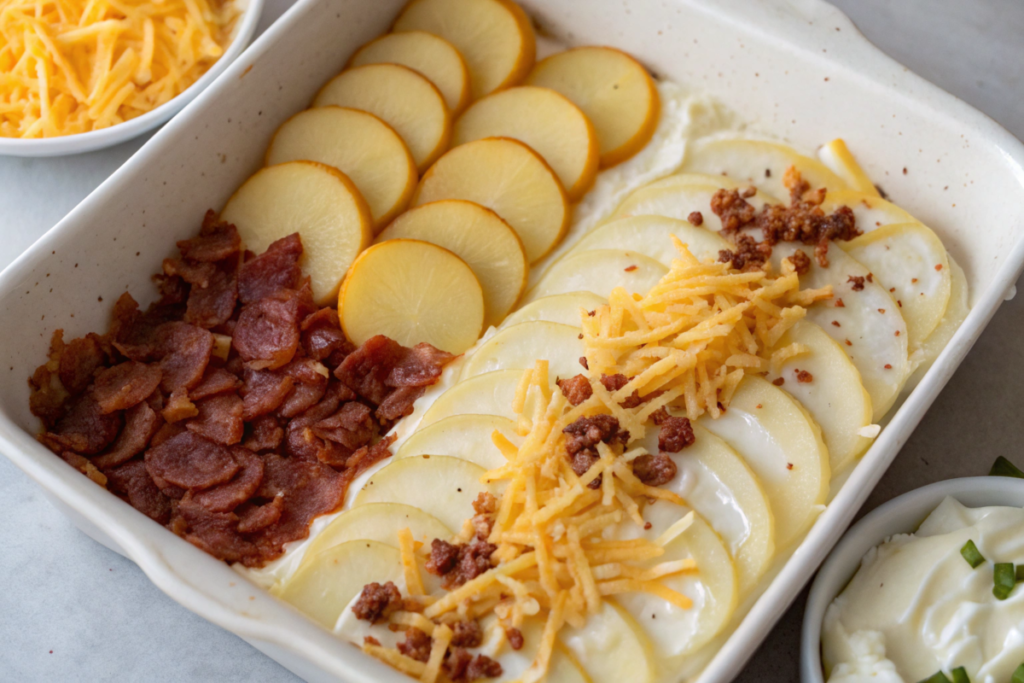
x: 916, y: 606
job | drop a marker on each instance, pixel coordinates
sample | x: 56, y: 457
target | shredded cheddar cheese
x: 72, y: 66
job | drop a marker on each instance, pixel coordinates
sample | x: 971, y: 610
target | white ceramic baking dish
x: 797, y: 68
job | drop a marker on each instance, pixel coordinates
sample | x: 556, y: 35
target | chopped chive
x: 1004, y: 468
x: 1005, y: 579
x: 971, y: 554
x: 960, y: 675
x: 1020, y: 573
x: 1018, y: 675
x: 939, y: 677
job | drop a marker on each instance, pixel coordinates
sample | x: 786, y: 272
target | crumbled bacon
x: 219, y: 419
x: 515, y: 638
x: 140, y: 425
x: 275, y: 269
x: 212, y: 304
x: 79, y: 361
x: 675, y: 435
x: 377, y: 602
x: 416, y: 644
x: 576, y: 389
x: 467, y: 633
x: 654, y: 470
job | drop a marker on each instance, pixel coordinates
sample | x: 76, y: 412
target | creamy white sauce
x: 916, y: 606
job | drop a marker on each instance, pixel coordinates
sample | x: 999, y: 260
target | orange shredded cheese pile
x: 72, y: 66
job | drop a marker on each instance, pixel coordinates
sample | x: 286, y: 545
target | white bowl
x: 780, y: 63
x: 900, y: 515
x: 245, y: 27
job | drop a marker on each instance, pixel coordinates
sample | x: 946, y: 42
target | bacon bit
x: 759, y: 406
x: 591, y: 313
x: 583, y: 362
x: 778, y: 382
x: 882, y: 311
x: 904, y: 170
x: 804, y: 377
x: 900, y: 303
x: 892, y: 289
x: 858, y: 282
x: 839, y: 304
x: 801, y: 262
x: 871, y: 277
x: 938, y: 266
x: 789, y: 465
x: 580, y: 336
x: 647, y: 526
x: 887, y: 366
x: 897, y: 333
x: 367, y: 640
x: 630, y: 269
x: 696, y: 218
x: 913, y: 280
x: 849, y: 343
x: 836, y: 323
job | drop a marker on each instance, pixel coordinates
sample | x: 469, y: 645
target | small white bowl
x: 80, y: 143
x: 898, y: 516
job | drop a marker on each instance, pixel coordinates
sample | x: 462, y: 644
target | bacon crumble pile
x: 234, y: 410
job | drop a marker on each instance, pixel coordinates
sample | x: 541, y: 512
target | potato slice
x: 413, y: 292
x: 652, y: 236
x: 679, y: 199
x: 783, y: 446
x: 316, y: 201
x: 359, y: 145
x: 834, y: 397
x: 548, y: 122
x: 495, y: 37
x: 379, y: 522
x: 430, y: 55
x: 467, y: 437
x: 560, y: 308
x: 600, y: 272
x: 759, y: 163
x: 489, y: 394
x: 871, y: 211
x: 957, y: 310
x: 400, y: 97
x: 613, y: 90
x: 479, y: 237
x: 519, y: 348
x: 442, y: 486
x: 611, y: 647
x: 509, y: 178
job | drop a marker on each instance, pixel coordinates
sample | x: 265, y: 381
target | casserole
x: 765, y: 62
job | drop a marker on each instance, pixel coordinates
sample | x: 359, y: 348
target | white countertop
x: 70, y: 610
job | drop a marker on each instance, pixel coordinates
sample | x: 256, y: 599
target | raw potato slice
x: 432, y: 56
x: 519, y: 347
x: 909, y: 260
x: 401, y: 98
x: 834, y: 397
x: 327, y: 582
x: 476, y: 235
x: 549, y: 123
x: 613, y: 90
x: 723, y: 490
x: 509, y: 178
x: 837, y: 157
x: 652, y: 236
x: 771, y: 438
x: 379, y: 522
x: 676, y: 633
x: 759, y: 163
x: 599, y: 272
x: 867, y: 325
x: 679, y: 201
x: 612, y: 647
x: 413, y: 292
x: 957, y: 310
x: 489, y: 394
x: 441, y: 486
x: 560, y: 308
x: 467, y: 437
x: 316, y: 201
x: 359, y: 145
x: 495, y: 37
x: 871, y: 211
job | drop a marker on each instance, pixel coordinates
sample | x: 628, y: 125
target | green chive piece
x: 960, y: 675
x: 1004, y: 468
x: 1005, y: 579
x: 971, y: 554
x: 1020, y: 573
x: 939, y: 677
x: 1018, y: 675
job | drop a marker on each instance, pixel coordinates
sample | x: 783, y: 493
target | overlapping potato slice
x: 834, y: 396
x: 559, y: 308
x: 652, y: 236
x: 613, y: 90
x: 495, y: 37
x: 723, y: 489
x: 359, y: 145
x: 316, y: 201
x: 400, y: 97
x: 412, y: 292
x: 956, y: 312
x: 871, y: 211
x: 520, y: 346
x: 674, y: 632
x: 462, y: 436
x: 487, y: 244
x: 442, y: 486
x: 838, y: 158
x: 378, y: 522
x: 430, y: 55
x: 489, y: 394
x: 509, y: 178
x: 548, y: 122
x: 328, y: 581
x: 612, y: 647
x: 910, y: 261
x: 599, y: 272
x: 759, y: 163
x: 679, y: 200
x: 784, y: 448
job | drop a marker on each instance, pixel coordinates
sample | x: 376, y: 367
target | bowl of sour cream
x: 921, y: 586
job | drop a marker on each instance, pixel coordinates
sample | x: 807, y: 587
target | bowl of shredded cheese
x: 81, y: 75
